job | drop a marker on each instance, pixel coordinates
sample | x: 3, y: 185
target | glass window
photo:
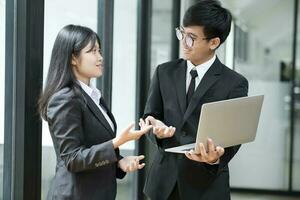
x: 2, y: 88
x: 260, y: 55
x: 161, y: 32
x: 124, y: 80
x: 226, y: 50
x: 57, y: 15
x: 296, y: 164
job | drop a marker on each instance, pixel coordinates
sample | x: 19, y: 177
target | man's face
x: 202, y: 48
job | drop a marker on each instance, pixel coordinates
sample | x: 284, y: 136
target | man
x: 177, y: 92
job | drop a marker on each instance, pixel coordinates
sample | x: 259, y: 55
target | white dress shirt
x: 201, y: 70
x: 95, y: 95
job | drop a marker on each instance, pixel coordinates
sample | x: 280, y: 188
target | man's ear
x: 214, y: 43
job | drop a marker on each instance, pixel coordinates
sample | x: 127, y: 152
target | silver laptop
x: 227, y: 123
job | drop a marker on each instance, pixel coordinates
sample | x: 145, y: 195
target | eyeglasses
x: 188, y: 38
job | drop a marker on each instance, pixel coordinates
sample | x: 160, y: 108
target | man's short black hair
x: 209, y: 14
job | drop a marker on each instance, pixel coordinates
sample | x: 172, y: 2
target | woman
x: 82, y: 128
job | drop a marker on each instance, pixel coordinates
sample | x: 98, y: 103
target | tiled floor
x: 125, y: 193
x: 242, y: 196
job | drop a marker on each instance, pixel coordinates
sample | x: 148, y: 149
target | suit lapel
x: 96, y: 111
x: 179, y: 78
x: 211, y: 76
x: 109, y: 113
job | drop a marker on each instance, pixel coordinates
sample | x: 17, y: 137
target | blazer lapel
x: 96, y: 111
x: 179, y: 77
x: 211, y: 76
x: 102, y: 102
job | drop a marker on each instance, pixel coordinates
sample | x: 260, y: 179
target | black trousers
x: 174, y: 194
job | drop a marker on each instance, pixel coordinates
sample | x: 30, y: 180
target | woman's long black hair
x: 69, y: 42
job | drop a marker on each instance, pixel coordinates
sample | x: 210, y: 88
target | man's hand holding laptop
x: 209, y: 156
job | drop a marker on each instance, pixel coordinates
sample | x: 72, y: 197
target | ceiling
x: 271, y: 21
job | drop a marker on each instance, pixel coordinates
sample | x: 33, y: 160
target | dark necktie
x: 191, y: 89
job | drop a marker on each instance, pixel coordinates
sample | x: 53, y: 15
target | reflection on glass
x: 2, y: 88
x: 161, y: 32
x: 161, y: 39
x: 124, y: 79
x: 296, y: 166
x: 225, y: 52
x: 57, y: 15
x: 259, y: 56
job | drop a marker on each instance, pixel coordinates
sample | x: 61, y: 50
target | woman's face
x: 88, y: 64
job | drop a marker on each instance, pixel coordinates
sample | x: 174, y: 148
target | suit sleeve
x: 119, y: 172
x: 240, y: 90
x: 154, y: 105
x: 64, y: 118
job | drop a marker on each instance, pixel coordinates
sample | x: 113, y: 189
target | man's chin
x: 186, y: 57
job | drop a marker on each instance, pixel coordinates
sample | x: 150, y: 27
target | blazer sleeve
x: 239, y: 90
x: 64, y: 119
x: 119, y: 172
x: 154, y: 105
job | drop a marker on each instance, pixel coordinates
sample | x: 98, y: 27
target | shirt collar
x: 92, y: 91
x: 202, y: 67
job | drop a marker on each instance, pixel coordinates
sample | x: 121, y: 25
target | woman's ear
x: 214, y: 43
x: 74, y: 60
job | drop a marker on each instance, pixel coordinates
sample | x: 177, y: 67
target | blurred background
x: 137, y: 35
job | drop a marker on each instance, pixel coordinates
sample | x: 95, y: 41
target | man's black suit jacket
x: 167, y: 102
x: 86, y: 159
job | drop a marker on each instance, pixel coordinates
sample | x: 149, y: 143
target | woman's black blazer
x: 86, y: 159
